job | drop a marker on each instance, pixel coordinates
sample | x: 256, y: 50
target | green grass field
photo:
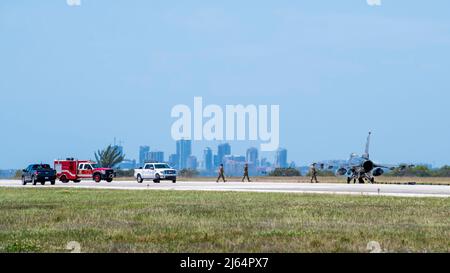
x: 45, y: 220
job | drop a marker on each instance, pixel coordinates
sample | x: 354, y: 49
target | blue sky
x: 73, y: 78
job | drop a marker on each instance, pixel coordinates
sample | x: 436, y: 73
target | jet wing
x: 393, y: 167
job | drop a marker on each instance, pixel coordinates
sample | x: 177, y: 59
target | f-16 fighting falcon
x: 360, y: 168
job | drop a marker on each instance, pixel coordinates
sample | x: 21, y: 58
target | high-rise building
x: 252, y: 156
x: 173, y: 161
x: 252, y: 160
x: 119, y: 148
x: 191, y: 163
x: 281, y: 158
x: 208, y: 159
x: 222, y: 151
x: 216, y: 161
x: 234, y: 164
x: 237, y: 158
x: 143, y: 153
x: 184, y: 150
x: 156, y: 156
x: 265, y: 162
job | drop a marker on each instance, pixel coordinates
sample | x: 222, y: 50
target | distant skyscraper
x: 173, y: 160
x: 252, y: 156
x: 143, y: 152
x: 191, y: 163
x: 184, y: 150
x: 223, y: 150
x: 252, y: 160
x: 119, y: 148
x: 216, y: 161
x: 237, y: 158
x: 208, y: 159
x: 156, y: 156
x: 281, y: 158
x: 264, y: 162
x: 234, y: 164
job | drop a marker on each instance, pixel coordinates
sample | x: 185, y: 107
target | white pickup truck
x: 155, y: 172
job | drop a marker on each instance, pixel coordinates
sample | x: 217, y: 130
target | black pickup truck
x: 38, y: 173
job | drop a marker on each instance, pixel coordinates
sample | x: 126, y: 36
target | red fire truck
x: 76, y: 170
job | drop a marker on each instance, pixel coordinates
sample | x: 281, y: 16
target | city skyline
x: 278, y: 159
x: 336, y: 71
x: 208, y: 161
x: 275, y: 159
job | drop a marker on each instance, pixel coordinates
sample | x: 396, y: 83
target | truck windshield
x: 162, y: 166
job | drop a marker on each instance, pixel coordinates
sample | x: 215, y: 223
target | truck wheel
x: 157, y: 178
x: 361, y: 180
x: 349, y: 179
x: 139, y: 178
x: 77, y: 181
x: 43, y: 183
x: 52, y: 182
x: 33, y: 181
x: 109, y: 180
x: 97, y: 178
x: 174, y: 181
x: 63, y: 179
x: 24, y: 182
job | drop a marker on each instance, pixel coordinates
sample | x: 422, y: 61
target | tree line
x: 420, y: 171
x: 111, y: 156
x: 410, y: 171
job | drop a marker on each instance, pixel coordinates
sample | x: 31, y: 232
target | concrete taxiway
x: 325, y: 188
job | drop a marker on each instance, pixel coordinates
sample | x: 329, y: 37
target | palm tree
x: 109, y: 157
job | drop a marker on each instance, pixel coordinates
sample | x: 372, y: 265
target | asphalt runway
x: 324, y: 188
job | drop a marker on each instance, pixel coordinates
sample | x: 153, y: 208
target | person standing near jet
x: 221, y: 174
x: 313, y: 172
x: 246, y: 173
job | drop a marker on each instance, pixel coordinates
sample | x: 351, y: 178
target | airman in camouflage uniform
x: 221, y: 174
x: 313, y: 172
x: 246, y: 174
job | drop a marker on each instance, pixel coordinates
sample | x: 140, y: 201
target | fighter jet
x: 360, y: 168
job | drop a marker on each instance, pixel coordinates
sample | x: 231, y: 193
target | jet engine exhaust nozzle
x: 368, y: 166
x: 377, y: 172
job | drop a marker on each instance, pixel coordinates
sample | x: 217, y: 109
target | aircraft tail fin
x: 366, y: 152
